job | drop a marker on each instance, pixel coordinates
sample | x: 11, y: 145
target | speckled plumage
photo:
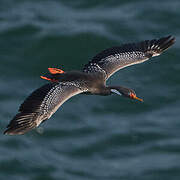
x: 43, y: 102
x: 113, y: 59
x: 40, y: 106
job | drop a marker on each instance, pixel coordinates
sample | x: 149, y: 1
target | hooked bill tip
x: 139, y: 99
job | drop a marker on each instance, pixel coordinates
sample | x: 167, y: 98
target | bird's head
x: 123, y: 91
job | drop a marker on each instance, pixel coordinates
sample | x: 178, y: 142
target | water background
x: 91, y: 137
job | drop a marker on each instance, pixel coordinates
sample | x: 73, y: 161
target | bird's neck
x: 104, y: 91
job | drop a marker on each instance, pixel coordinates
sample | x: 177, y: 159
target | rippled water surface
x: 90, y: 137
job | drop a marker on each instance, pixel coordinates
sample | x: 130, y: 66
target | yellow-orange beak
x: 133, y: 96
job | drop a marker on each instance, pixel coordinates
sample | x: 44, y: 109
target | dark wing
x: 40, y: 106
x: 111, y: 60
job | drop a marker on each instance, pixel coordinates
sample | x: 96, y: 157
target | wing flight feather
x: 113, y: 59
x: 40, y: 106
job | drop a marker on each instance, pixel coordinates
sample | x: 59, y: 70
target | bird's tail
x: 156, y: 46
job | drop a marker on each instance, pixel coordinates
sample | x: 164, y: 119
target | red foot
x: 48, y: 79
x: 55, y: 71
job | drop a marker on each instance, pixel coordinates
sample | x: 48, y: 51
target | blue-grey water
x: 91, y: 137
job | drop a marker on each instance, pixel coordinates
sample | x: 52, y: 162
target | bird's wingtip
x: 21, y: 123
x: 166, y: 42
x: 10, y: 131
x: 171, y: 38
x: 157, y: 46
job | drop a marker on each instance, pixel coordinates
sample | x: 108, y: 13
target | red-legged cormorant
x: 44, y: 102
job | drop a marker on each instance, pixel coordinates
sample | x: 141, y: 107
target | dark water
x: 91, y: 137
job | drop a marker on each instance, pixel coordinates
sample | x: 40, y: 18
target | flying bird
x: 45, y: 101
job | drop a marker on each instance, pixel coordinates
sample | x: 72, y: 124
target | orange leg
x: 55, y: 71
x: 48, y: 79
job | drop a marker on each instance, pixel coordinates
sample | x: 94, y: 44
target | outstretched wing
x: 111, y: 60
x: 40, y: 106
